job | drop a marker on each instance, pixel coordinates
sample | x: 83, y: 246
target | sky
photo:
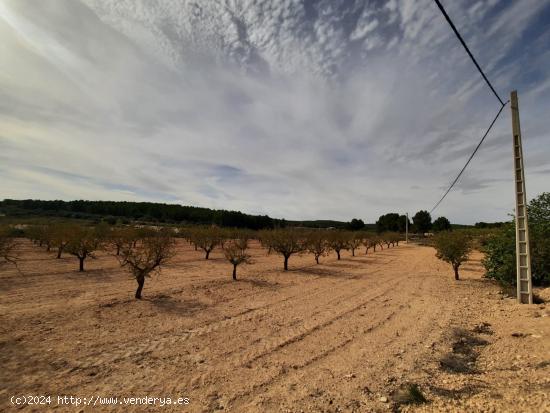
x: 295, y: 109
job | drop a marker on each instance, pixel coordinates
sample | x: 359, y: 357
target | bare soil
x: 343, y: 336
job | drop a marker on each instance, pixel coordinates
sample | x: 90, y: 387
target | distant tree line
x: 112, y: 211
x: 421, y: 223
x: 124, y: 212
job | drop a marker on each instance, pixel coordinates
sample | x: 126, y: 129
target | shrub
x: 500, y: 246
x: 453, y: 247
x: 500, y: 255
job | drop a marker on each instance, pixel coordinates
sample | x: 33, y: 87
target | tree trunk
x: 455, y: 267
x: 234, y: 271
x: 207, y: 253
x: 286, y: 263
x: 338, y: 254
x: 141, y: 281
x: 366, y: 251
x: 118, y: 250
x: 81, y: 267
x: 374, y: 249
x: 59, y: 251
x: 317, y: 259
x: 353, y: 252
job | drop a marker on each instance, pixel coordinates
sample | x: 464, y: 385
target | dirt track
x: 339, y: 336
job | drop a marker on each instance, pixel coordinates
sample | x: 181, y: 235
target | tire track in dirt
x: 295, y: 337
x: 309, y: 361
x: 352, y: 340
x: 172, y: 339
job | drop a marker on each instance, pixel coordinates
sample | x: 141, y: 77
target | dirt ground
x: 343, y: 336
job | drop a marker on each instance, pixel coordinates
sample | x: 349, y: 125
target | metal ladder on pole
x: 523, y: 254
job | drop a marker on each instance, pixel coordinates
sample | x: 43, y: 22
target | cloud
x: 302, y: 110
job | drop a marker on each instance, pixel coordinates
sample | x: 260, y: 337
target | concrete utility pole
x: 523, y: 253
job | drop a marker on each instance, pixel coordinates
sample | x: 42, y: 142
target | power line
x: 467, y: 50
x: 488, y: 83
x: 470, y: 158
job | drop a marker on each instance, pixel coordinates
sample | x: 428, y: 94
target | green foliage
x: 453, y: 247
x: 539, y: 209
x: 391, y: 222
x: 356, y: 224
x: 441, y: 224
x: 500, y: 255
x: 142, y: 211
x: 500, y: 246
x: 484, y: 225
x: 422, y: 221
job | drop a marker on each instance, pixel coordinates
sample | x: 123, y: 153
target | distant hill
x: 123, y: 211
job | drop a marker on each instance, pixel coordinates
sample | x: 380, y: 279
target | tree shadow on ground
x: 181, y: 307
x: 467, y: 390
x: 258, y: 283
x: 324, y: 272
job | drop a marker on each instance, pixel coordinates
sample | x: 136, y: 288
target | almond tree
x: 83, y: 242
x: 316, y: 243
x: 8, y: 244
x: 61, y: 234
x: 264, y: 236
x: 235, y: 252
x: 121, y: 236
x: 338, y: 241
x: 354, y: 241
x: 395, y: 237
x: 206, y: 239
x: 374, y: 242
x: 367, y: 241
x: 285, y: 242
x: 146, y: 255
x: 386, y: 239
x: 380, y: 241
x: 453, y: 247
